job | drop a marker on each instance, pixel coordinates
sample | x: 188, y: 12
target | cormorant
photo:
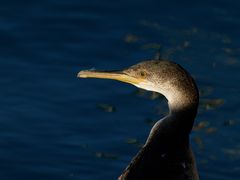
x: 167, y: 154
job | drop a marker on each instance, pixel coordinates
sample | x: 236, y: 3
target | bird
x: 167, y: 152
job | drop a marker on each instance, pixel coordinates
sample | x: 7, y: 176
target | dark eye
x: 143, y: 74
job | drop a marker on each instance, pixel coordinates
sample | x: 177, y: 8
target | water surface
x: 55, y: 126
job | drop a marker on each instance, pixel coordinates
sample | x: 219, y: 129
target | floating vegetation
x: 226, y: 40
x: 130, y: 38
x: 209, y: 104
x: 205, y: 91
x: 106, y: 107
x: 229, y: 122
x: 201, y: 125
x: 157, y: 55
x: 204, y: 125
x: 132, y: 141
x: 210, y: 130
x: 148, y: 94
x: 151, y: 24
x: 232, y: 61
x: 98, y: 153
x: 198, y: 140
x: 155, y: 95
x: 233, y: 153
x: 186, y: 44
x: 228, y: 50
x: 106, y: 155
x: 161, y: 110
x: 140, y: 92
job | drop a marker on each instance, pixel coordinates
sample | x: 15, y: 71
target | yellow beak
x: 115, y: 75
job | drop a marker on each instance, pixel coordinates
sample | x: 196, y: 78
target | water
x: 55, y: 126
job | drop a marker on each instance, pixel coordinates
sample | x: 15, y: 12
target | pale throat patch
x: 175, y: 98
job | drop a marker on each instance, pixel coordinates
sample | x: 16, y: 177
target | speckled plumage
x: 167, y: 154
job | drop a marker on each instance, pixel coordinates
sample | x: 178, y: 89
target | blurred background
x: 55, y: 126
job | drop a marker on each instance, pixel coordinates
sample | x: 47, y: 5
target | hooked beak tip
x: 82, y: 74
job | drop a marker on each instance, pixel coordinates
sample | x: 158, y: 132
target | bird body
x: 167, y: 154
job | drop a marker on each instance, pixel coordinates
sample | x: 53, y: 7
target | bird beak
x: 115, y: 75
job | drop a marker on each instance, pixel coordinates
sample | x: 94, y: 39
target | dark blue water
x: 55, y: 126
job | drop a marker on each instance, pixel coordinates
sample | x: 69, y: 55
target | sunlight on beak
x: 115, y: 75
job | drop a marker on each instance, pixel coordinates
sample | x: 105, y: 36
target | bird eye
x: 143, y: 74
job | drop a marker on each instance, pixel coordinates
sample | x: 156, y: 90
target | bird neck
x: 180, y: 101
x: 181, y: 117
x: 177, y: 125
x: 182, y: 110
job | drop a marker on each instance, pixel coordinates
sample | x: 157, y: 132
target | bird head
x: 164, y: 77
